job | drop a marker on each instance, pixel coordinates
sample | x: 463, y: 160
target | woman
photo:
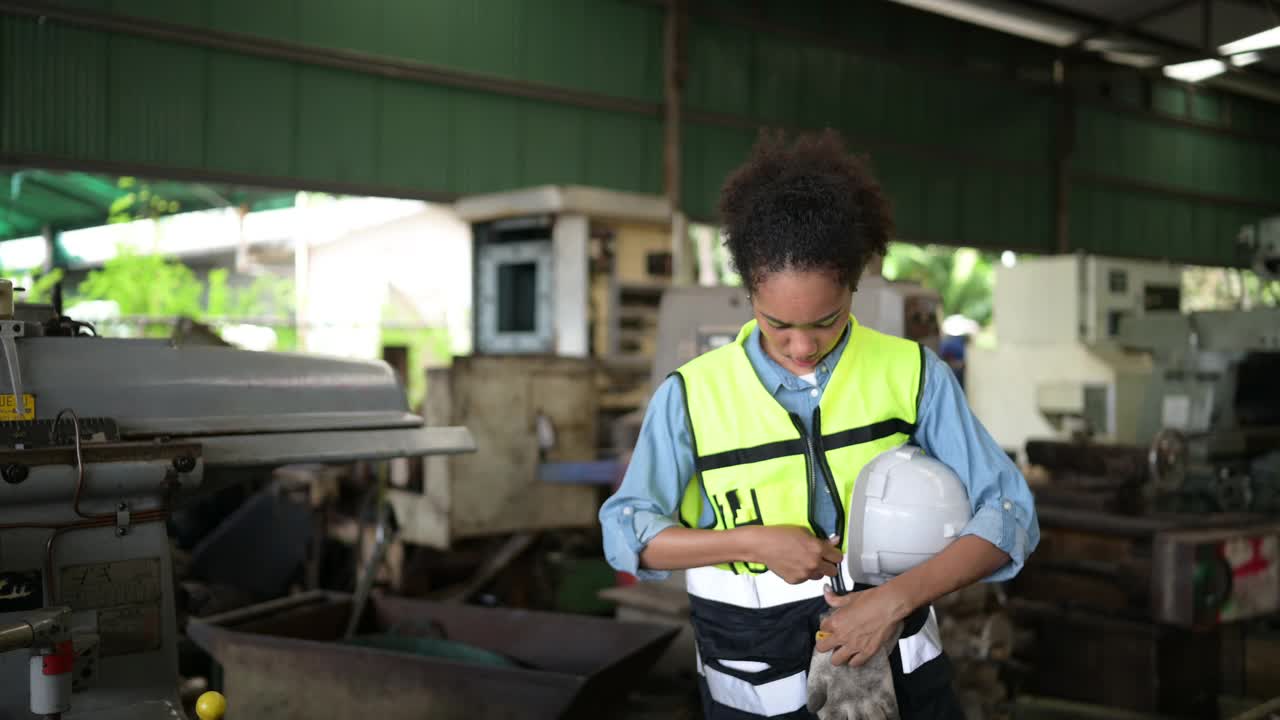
x: 743, y: 466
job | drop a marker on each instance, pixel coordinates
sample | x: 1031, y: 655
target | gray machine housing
x: 158, y: 424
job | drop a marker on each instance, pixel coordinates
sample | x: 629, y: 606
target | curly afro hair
x: 808, y: 205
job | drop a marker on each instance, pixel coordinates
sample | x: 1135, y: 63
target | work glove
x: 846, y: 692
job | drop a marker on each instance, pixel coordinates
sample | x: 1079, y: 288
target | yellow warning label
x: 8, y: 411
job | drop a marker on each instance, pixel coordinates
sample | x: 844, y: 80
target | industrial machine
x: 1211, y: 414
x: 1057, y: 370
x: 555, y: 267
x: 899, y: 308
x: 1152, y: 441
x: 693, y: 320
x: 101, y: 440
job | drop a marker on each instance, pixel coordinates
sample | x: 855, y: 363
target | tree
x: 964, y: 277
x: 1216, y: 288
x: 41, y: 289
x: 155, y: 287
x: 139, y: 203
x: 145, y: 285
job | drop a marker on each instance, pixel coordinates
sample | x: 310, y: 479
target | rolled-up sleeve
x: 647, y: 501
x: 1004, y: 511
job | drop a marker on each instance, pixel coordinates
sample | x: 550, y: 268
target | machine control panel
x: 28, y: 434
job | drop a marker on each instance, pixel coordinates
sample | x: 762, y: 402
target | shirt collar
x: 774, y: 377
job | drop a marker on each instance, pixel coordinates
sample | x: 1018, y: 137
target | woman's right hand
x: 793, y: 553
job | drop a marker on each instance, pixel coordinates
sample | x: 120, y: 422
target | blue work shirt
x: 662, y: 463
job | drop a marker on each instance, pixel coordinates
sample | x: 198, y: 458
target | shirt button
x: 628, y: 510
x: 822, y: 368
x: 1008, y: 505
x: 813, y: 392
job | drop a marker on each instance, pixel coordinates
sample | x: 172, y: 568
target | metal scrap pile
x: 980, y: 637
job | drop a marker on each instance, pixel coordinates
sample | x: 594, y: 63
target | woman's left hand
x: 861, y: 623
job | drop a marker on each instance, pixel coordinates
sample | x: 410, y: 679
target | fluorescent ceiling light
x: 1257, y: 41
x: 1005, y: 17
x: 1138, y: 60
x: 1247, y: 58
x: 1196, y: 70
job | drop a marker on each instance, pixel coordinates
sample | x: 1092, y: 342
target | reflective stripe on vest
x: 755, y: 461
x: 748, y: 590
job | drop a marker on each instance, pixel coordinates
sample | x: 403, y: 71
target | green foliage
x: 146, y: 285
x: 1215, y: 288
x: 286, y: 338
x: 154, y: 286
x: 41, y: 291
x: 218, y: 300
x: 426, y: 346
x: 963, y: 277
x: 266, y: 296
x: 139, y: 203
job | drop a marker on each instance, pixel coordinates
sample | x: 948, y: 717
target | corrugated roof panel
x: 555, y: 150
x: 548, y: 58
x: 275, y: 19
x: 776, y: 82
x: 337, y: 133
x: 184, y: 13
x: 343, y: 24
x: 623, y: 152
x: 54, y: 89
x: 415, y: 123
x: 252, y: 115
x: 157, y: 103
x: 484, y: 35
x: 486, y: 142
x: 620, y: 49
x: 720, y: 68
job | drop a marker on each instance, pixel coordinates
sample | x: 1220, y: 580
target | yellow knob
x: 211, y: 706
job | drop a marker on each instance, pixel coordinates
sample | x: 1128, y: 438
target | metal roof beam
x: 1128, y: 24
x: 1185, y: 52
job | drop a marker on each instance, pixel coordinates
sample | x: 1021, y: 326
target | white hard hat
x: 906, y: 507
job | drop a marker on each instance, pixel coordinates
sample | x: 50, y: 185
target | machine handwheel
x: 1167, y: 460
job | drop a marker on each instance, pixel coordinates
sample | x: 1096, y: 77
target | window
x: 517, y: 297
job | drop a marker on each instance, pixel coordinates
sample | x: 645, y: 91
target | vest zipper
x: 810, y: 459
x: 826, y: 470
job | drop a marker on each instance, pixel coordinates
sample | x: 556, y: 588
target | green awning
x: 31, y: 200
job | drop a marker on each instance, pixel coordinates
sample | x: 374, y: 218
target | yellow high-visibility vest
x: 755, y: 460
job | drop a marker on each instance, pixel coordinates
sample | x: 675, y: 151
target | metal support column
x: 674, y: 72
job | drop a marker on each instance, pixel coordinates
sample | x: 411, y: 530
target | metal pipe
x: 43, y: 623
x: 15, y: 371
x: 382, y: 538
x: 16, y: 636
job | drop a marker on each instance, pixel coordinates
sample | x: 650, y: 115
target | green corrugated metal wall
x: 961, y: 123
x: 102, y: 97
x: 1189, y: 190
x: 965, y: 160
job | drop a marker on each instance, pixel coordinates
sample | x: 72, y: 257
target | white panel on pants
x: 921, y: 647
x: 767, y: 590
x: 777, y: 697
